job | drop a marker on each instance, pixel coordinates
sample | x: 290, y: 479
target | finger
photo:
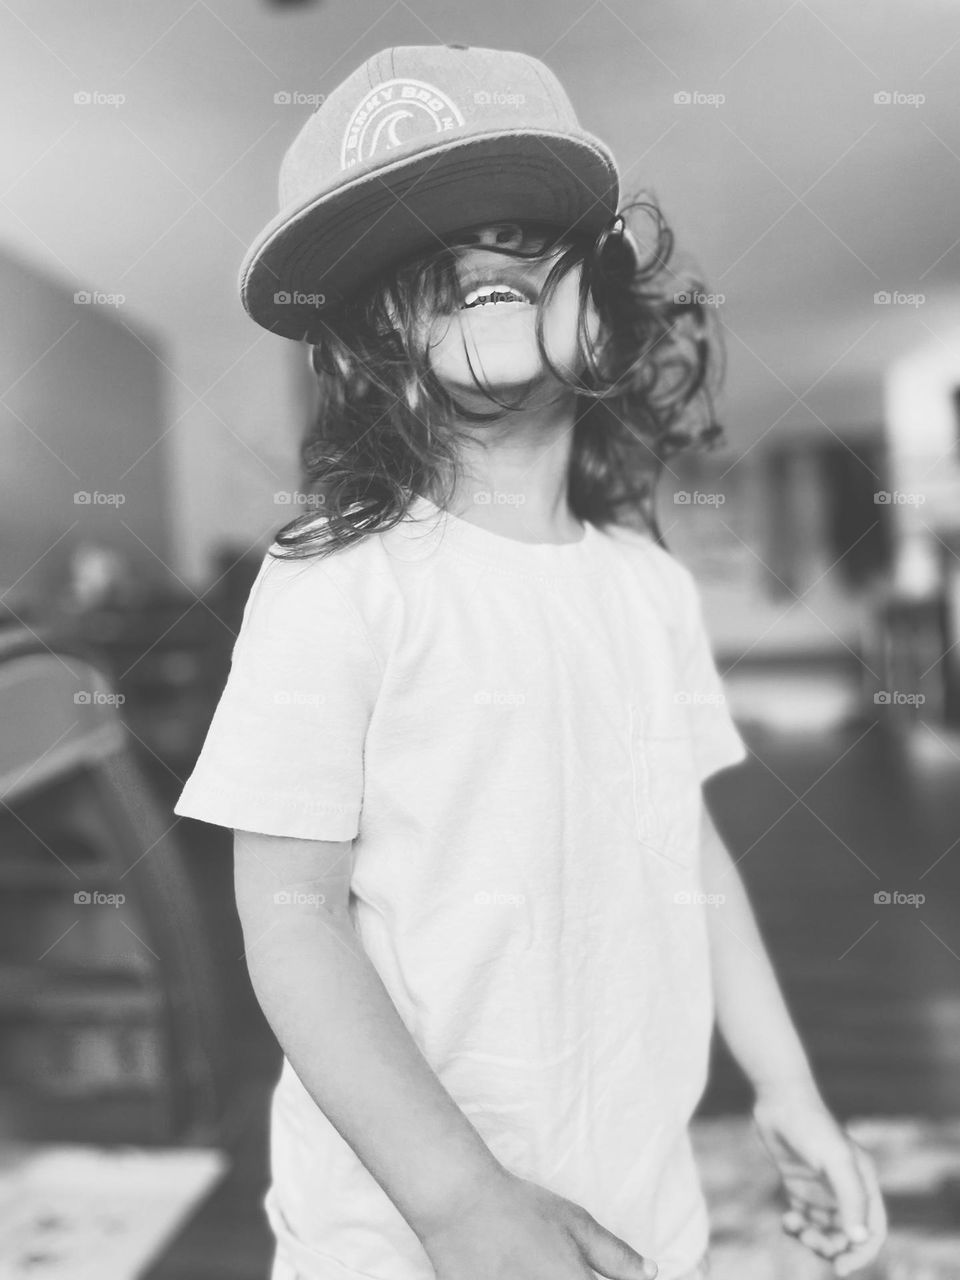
x: 607, y: 1253
x: 794, y: 1222
x: 812, y: 1190
x: 876, y: 1209
x: 822, y: 1217
x: 824, y: 1244
x: 860, y: 1254
x: 845, y: 1176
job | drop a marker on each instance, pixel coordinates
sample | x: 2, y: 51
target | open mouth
x: 490, y: 295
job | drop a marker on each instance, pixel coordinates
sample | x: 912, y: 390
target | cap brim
x: 308, y: 260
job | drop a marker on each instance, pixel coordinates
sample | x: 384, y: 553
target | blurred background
x: 807, y: 157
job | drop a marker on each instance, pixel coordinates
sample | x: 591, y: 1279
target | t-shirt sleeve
x: 284, y: 751
x: 717, y: 740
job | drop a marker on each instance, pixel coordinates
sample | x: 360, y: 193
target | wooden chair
x: 111, y: 1025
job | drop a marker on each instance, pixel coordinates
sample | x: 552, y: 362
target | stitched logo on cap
x: 395, y: 113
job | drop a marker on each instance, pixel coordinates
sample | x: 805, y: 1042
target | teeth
x: 492, y: 293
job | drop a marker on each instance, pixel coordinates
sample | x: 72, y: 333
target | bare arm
x: 341, y: 1031
x: 834, y: 1202
x: 751, y: 1011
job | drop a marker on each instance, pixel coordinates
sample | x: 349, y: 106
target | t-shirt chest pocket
x: 666, y: 786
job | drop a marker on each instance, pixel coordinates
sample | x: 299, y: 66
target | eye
x: 528, y: 237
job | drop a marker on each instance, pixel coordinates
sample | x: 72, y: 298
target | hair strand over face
x: 383, y: 432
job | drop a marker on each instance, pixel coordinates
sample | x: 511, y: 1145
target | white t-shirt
x: 515, y: 734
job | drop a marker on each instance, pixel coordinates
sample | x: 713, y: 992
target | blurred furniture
x: 109, y: 1016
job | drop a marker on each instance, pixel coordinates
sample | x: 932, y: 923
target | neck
x: 514, y: 474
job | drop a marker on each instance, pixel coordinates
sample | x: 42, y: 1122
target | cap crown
x: 403, y: 99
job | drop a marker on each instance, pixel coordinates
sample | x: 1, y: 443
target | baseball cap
x: 416, y: 143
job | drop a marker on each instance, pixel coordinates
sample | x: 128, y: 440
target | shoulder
x: 660, y: 567
x: 321, y: 599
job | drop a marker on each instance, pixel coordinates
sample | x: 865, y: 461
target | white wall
x: 81, y: 413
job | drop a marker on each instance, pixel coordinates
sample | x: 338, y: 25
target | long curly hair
x: 383, y: 434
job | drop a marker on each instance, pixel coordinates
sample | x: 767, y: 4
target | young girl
x: 470, y: 710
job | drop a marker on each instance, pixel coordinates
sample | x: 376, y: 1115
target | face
x: 497, y: 327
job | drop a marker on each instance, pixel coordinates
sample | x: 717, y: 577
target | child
x: 468, y: 717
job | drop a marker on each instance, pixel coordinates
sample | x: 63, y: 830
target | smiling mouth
x: 493, y: 295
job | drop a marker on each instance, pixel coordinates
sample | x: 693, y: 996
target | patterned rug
x: 918, y: 1162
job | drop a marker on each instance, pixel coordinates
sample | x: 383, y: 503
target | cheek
x: 560, y: 321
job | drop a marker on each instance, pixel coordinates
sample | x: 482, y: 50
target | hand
x: 516, y: 1230
x: 835, y: 1205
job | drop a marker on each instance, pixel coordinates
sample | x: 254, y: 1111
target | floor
x: 820, y: 826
